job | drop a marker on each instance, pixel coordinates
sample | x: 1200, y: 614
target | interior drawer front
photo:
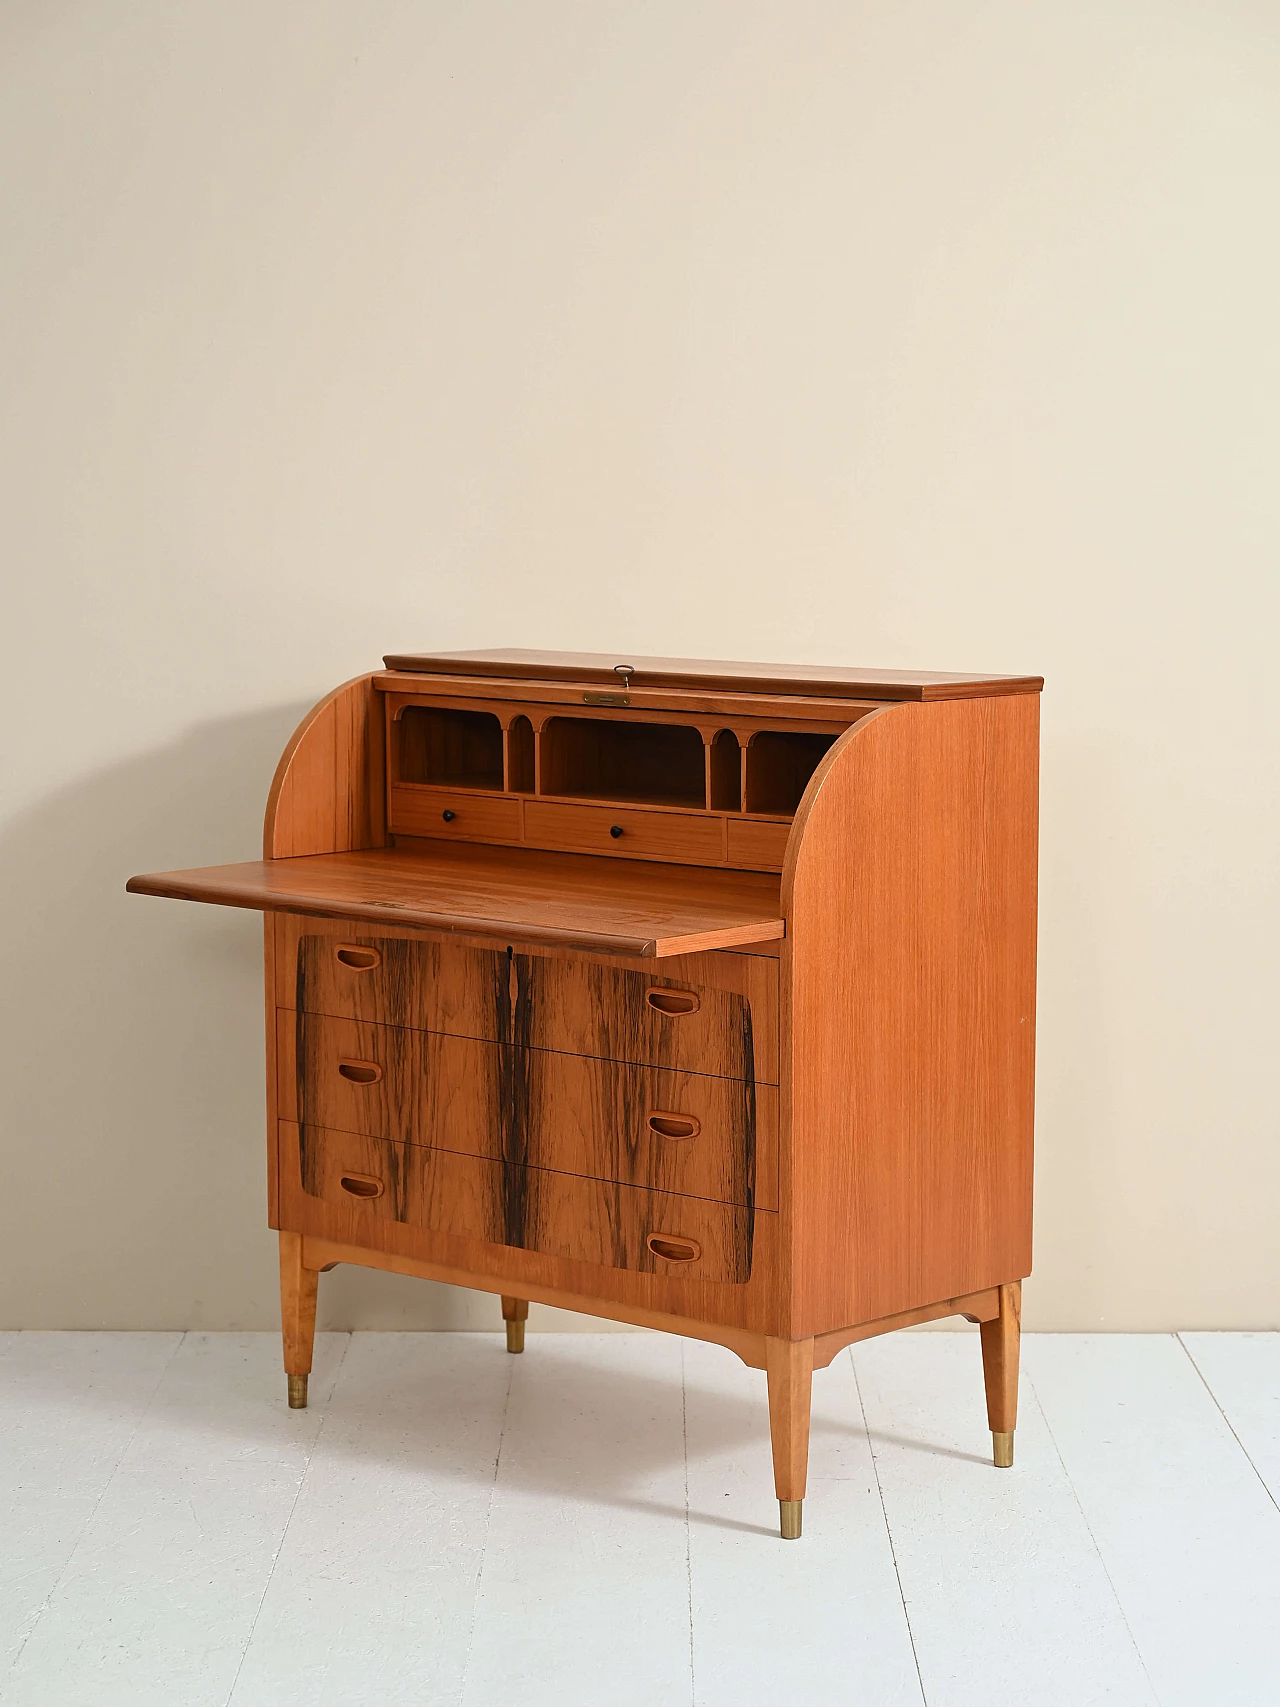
x: 531, y: 1209
x: 579, y: 1006
x: 689, y: 837
x: 668, y: 1131
x: 757, y: 845
x: 451, y: 816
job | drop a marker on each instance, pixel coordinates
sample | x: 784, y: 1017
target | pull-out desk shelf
x: 694, y: 996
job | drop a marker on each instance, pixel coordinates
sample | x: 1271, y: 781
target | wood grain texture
x: 600, y: 668
x: 327, y: 793
x: 514, y: 894
x: 691, y: 838
x: 789, y: 1365
x: 298, y: 1291
x: 685, y: 1133
x: 1001, y: 1343
x: 417, y: 811
x: 909, y: 1013
x: 974, y: 1306
x: 545, y: 1001
x: 746, y: 1343
x: 525, y: 1273
x: 756, y: 844
x: 270, y: 979
x: 345, y: 991
x: 373, y: 1180
x: 715, y: 705
x: 327, y: 796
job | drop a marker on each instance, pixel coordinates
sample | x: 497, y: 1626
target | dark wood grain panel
x: 573, y: 1005
x: 526, y: 1208
x: 747, y: 974
x: 685, y: 1133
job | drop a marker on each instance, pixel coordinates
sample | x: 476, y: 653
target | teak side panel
x: 327, y: 793
x: 909, y: 1012
x: 684, y: 1133
x: 750, y: 1304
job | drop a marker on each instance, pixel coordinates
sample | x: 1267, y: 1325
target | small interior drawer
x: 449, y: 815
x: 686, y: 1133
x: 689, y: 837
x: 755, y: 844
x: 506, y: 1203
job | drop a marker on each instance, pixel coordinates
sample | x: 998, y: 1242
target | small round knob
x: 615, y: 830
x: 448, y: 815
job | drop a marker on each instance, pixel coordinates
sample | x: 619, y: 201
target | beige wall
x: 910, y: 334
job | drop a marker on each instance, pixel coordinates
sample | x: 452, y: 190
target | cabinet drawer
x: 574, y: 1005
x: 692, y: 838
x: 530, y: 1209
x: 446, y: 814
x: 756, y: 844
x: 685, y: 1133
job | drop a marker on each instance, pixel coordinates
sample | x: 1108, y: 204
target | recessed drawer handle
x: 673, y: 1001
x: 361, y: 1185
x: 673, y: 1249
x: 675, y: 1125
x: 360, y: 1072
x: 358, y: 959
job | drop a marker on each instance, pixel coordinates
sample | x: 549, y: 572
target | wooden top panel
x: 609, y: 906
x: 709, y: 673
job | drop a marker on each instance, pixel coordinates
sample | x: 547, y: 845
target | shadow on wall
x: 132, y: 1033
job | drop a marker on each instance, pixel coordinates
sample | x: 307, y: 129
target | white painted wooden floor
x: 593, y: 1523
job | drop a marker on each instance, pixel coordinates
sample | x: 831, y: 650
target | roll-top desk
x: 699, y: 996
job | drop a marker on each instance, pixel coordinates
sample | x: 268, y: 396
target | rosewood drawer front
x: 580, y: 1007
x: 532, y: 1209
x: 686, y: 1133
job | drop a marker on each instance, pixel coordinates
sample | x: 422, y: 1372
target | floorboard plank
x: 373, y: 1594
x: 159, y: 1596
x: 1242, y: 1371
x: 817, y: 1621
x: 69, y: 1405
x: 1001, y: 1575
x: 584, y: 1595
x: 1190, y: 1536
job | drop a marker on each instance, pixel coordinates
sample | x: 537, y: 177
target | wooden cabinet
x: 693, y: 995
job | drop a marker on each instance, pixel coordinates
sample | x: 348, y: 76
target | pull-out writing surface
x: 606, y: 905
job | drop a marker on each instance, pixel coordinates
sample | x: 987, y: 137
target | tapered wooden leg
x: 789, y: 1367
x: 515, y: 1313
x: 297, y: 1316
x: 1000, y: 1341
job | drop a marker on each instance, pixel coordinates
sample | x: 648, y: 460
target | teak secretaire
x: 696, y: 995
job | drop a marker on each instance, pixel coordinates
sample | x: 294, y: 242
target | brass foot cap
x: 515, y: 1336
x: 790, y: 1513
x: 297, y: 1392
x: 1002, y: 1449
